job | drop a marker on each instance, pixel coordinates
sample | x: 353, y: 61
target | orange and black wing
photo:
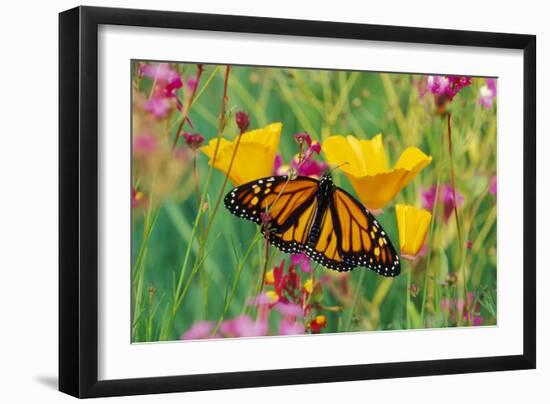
x: 324, y: 247
x: 290, y: 203
x: 362, y: 241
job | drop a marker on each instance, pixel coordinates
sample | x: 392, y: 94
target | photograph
x: 284, y: 201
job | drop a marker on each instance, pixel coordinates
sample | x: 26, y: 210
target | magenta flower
x: 302, y: 260
x: 192, y: 84
x: 289, y: 309
x: 458, y: 307
x: 288, y: 282
x: 310, y: 168
x: 167, y: 80
x: 445, y: 197
x: 493, y: 185
x: 160, y: 72
x: 488, y: 93
x: 437, y: 84
x: 157, y: 106
x: 291, y: 327
x: 279, y: 168
x: 292, y: 321
x: 244, y: 326
x: 303, y: 137
x: 306, y: 166
x: 172, y: 86
x: 200, y: 330
x: 193, y: 141
x: 144, y: 143
x: 444, y: 88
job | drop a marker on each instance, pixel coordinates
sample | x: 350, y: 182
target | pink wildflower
x: 488, y: 93
x: 445, y: 196
x: 302, y: 260
x: 199, y: 330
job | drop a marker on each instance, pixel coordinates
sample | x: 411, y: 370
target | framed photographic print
x: 250, y: 201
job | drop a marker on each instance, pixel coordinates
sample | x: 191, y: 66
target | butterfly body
x: 326, y: 188
x: 317, y: 218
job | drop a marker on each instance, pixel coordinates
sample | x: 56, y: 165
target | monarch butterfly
x: 317, y: 218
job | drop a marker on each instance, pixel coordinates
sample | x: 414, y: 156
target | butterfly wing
x: 325, y: 249
x: 290, y: 203
x: 348, y: 234
x: 362, y: 241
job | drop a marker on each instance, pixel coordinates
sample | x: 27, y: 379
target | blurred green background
x: 322, y: 103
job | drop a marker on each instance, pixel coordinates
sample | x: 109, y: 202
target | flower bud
x: 243, y: 121
x: 193, y: 141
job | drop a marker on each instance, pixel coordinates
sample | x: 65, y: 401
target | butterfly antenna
x: 338, y: 166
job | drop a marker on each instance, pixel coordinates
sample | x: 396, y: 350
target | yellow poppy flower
x: 367, y: 167
x: 255, y: 155
x: 412, y: 224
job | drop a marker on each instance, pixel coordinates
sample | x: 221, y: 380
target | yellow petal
x: 375, y: 191
x: 412, y: 224
x: 363, y: 157
x: 374, y: 155
x: 272, y: 296
x: 268, y: 136
x: 308, y: 286
x: 339, y: 151
x: 254, y: 157
x: 210, y: 148
x: 367, y: 167
x: 269, y: 278
x: 413, y: 160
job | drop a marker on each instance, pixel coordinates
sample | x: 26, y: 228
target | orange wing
x: 290, y: 203
x: 363, y: 242
x: 325, y: 250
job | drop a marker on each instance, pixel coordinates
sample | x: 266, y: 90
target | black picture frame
x: 78, y: 201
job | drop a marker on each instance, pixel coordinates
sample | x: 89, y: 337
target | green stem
x: 429, y: 254
x: 138, y: 270
x: 358, y: 289
x: 458, y: 229
x: 177, y: 295
x: 240, y: 267
x: 185, y: 113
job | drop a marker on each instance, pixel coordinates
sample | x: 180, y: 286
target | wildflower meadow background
x: 419, y: 151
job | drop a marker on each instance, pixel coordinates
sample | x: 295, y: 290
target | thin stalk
x: 149, y: 333
x: 240, y: 267
x: 138, y: 270
x: 177, y: 300
x: 266, y: 261
x: 185, y: 112
x: 453, y: 182
x: 355, y: 298
x: 429, y: 254
x: 455, y: 209
x: 196, y: 98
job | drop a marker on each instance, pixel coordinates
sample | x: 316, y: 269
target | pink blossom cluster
x: 166, y: 82
x: 303, y: 163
